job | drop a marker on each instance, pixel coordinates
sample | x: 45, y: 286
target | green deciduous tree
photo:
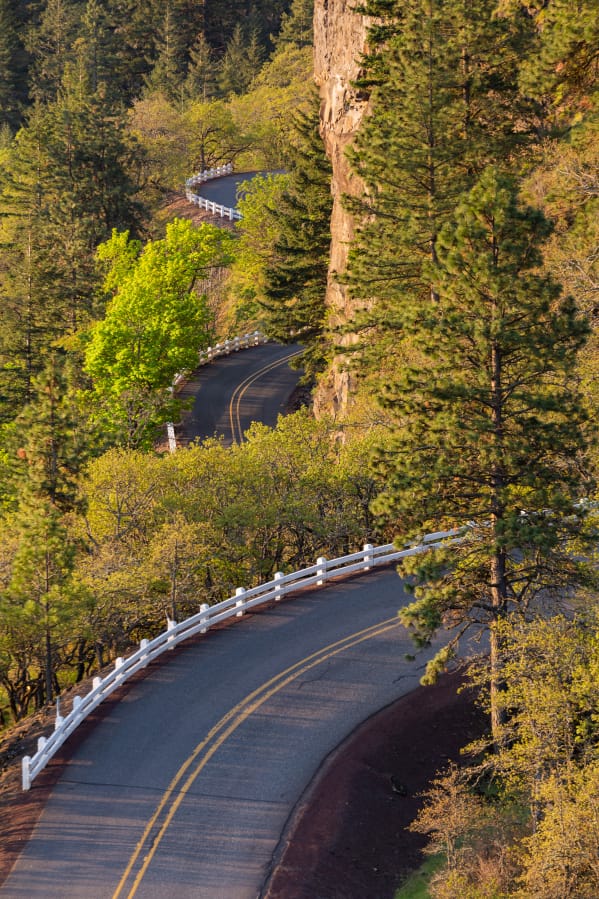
x: 156, y: 322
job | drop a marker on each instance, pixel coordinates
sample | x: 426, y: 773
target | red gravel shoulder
x: 347, y: 838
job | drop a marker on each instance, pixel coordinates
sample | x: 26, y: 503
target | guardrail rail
x: 215, y: 208
x: 366, y: 559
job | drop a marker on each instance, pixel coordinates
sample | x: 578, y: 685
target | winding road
x: 225, y: 190
x: 184, y: 787
x: 232, y: 392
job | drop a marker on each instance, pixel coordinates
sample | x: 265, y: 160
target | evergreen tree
x: 296, y: 276
x: 66, y: 186
x: 11, y: 95
x: 136, y: 29
x: 444, y: 92
x: 96, y: 48
x: 491, y: 426
x: 566, y: 60
x: 297, y: 26
x: 166, y: 74
x: 200, y: 83
x: 51, y: 46
x: 240, y: 63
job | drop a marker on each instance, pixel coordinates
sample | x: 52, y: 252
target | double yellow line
x: 240, y: 390
x: 183, y: 780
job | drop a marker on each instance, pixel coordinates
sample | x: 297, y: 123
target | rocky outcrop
x: 339, y: 42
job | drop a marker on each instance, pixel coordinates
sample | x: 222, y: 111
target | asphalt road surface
x: 225, y: 190
x: 184, y: 788
x: 231, y: 392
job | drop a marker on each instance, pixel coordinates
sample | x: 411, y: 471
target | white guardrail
x: 215, y: 208
x: 234, y: 607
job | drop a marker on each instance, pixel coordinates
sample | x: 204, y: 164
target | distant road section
x: 233, y: 391
x: 225, y: 190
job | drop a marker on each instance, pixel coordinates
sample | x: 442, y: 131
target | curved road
x: 231, y: 392
x: 184, y: 788
x: 225, y: 190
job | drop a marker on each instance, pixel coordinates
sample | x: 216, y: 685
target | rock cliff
x: 339, y: 42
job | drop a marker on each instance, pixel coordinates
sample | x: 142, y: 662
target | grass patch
x: 416, y: 886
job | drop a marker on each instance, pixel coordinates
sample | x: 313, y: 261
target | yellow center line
x: 240, y: 390
x: 220, y: 732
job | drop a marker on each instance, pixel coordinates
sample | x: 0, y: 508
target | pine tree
x: 200, y: 83
x: 11, y: 96
x: 166, y: 74
x: 297, y: 26
x: 96, y: 48
x: 491, y: 426
x: 66, y: 185
x: 296, y: 277
x: 51, y: 45
x: 442, y: 76
x: 240, y: 63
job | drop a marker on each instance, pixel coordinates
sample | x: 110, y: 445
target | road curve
x: 184, y: 788
x: 231, y: 392
x: 225, y: 190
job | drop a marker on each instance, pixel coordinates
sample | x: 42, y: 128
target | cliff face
x: 339, y: 42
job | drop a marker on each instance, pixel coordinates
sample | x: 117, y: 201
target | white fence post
x: 25, y: 772
x: 169, y: 626
x: 59, y: 719
x: 368, y: 556
x: 172, y: 440
x: 204, y: 608
x: 118, y: 663
x: 143, y: 645
x: 321, y: 571
x: 239, y: 605
x: 278, y: 587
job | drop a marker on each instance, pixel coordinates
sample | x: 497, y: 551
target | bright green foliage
x: 156, y: 322
x: 491, y: 425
